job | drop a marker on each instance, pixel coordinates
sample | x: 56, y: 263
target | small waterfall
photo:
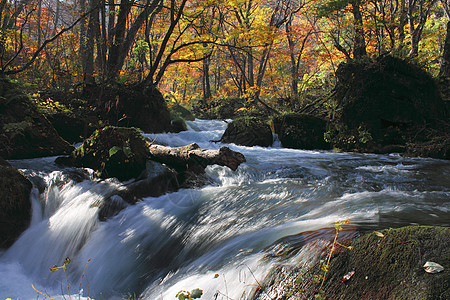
x: 220, y: 238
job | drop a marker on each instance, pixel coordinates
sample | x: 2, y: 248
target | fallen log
x: 192, y: 156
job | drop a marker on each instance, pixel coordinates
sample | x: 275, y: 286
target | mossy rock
x: 178, y: 125
x: 178, y: 111
x: 219, y: 108
x: 391, y: 267
x: 15, y: 205
x: 386, y: 93
x: 300, y: 131
x: 113, y: 152
x: 24, y: 132
x: 140, y: 105
x: 248, y: 131
x: 386, y: 266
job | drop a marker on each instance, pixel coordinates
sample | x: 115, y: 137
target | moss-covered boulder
x: 248, y: 131
x: 389, y: 98
x: 391, y: 266
x: 178, y: 125
x: 300, y: 131
x: 218, y: 108
x: 15, y: 205
x: 141, y: 105
x: 24, y: 131
x: 381, y: 265
x: 113, y: 152
x: 178, y: 111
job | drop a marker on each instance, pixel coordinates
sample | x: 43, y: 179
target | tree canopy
x: 261, y: 50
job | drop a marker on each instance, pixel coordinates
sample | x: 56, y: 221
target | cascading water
x: 215, y: 237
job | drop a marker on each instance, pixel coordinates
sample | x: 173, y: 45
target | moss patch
x: 386, y: 266
x: 24, y: 131
x: 113, y: 152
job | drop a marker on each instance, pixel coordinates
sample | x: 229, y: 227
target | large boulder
x: 113, y: 152
x: 389, y: 98
x: 248, y: 131
x: 15, y: 205
x: 137, y: 106
x: 24, y: 131
x: 381, y: 265
x: 300, y: 131
x: 178, y: 111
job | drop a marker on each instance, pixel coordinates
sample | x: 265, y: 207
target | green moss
x: 113, y: 152
x: 391, y: 267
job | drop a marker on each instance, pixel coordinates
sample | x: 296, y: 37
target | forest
x: 272, y: 52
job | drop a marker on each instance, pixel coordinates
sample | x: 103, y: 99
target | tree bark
x: 205, y: 79
x: 359, y: 48
x: 444, y: 71
x: 187, y: 157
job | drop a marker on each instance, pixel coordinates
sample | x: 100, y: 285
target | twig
x: 42, y: 293
x: 259, y: 285
x: 82, y: 276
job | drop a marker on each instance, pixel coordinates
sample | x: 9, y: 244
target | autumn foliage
x: 195, y: 50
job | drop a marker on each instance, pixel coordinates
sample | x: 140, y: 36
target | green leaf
x: 299, y: 280
x: 114, y: 150
x: 197, y: 293
x: 127, y: 151
x: 181, y: 295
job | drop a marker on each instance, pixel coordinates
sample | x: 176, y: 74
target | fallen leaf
x: 432, y: 267
x: 377, y: 233
x: 348, y: 276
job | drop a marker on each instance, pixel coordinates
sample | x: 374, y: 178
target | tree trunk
x: 88, y: 72
x: 444, y: 71
x: 56, y: 19
x: 187, y: 157
x: 359, y: 48
x: 39, y: 29
x: 294, y: 68
x: 205, y: 80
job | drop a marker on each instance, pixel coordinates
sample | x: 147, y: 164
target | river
x: 217, y: 237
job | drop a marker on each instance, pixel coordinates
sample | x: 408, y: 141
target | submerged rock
x: 248, y: 131
x: 15, y: 205
x: 301, y: 131
x: 157, y: 180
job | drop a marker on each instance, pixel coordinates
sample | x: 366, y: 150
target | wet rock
x: 301, y: 131
x: 24, y: 132
x: 178, y: 125
x: 248, y: 131
x: 15, y: 205
x: 157, y: 180
x: 113, y: 152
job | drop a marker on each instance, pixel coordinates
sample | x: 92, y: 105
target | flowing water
x: 217, y: 237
